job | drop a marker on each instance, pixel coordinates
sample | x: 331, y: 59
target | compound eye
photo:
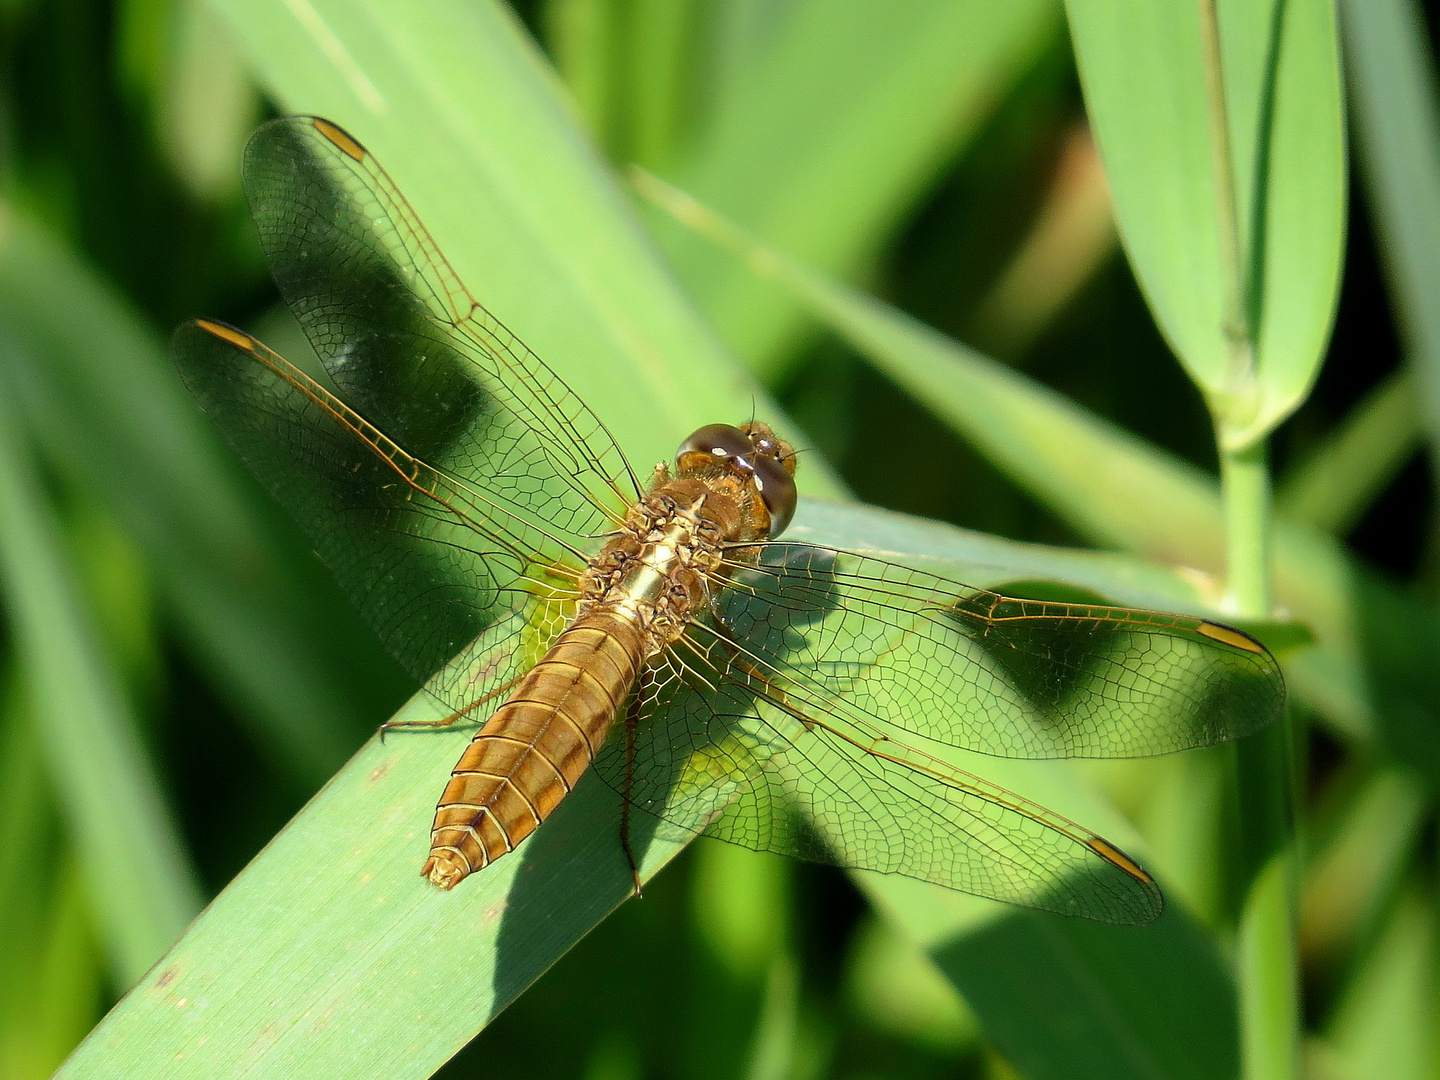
x: 777, y: 491
x: 720, y: 441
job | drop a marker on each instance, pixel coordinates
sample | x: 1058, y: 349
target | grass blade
x: 140, y: 888
x: 1143, y: 69
x: 256, y: 607
x: 1394, y: 92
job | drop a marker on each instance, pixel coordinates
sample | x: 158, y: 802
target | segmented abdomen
x: 535, y: 747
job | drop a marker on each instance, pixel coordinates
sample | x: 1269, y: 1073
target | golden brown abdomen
x: 535, y: 747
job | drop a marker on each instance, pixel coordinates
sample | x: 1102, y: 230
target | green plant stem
x: 1266, y: 961
x: 1266, y: 953
x: 1245, y: 490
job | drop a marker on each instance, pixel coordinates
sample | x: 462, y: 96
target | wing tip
x: 227, y: 333
x: 1228, y: 635
x: 1154, y: 900
x: 341, y: 139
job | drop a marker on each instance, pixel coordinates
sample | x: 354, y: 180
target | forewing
x: 883, y: 644
x: 721, y: 750
x: 408, y: 347
x: 432, y: 563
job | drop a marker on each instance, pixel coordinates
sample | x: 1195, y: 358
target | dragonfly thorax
x: 659, y: 567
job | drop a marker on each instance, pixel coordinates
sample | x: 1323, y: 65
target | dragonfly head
x: 756, y: 455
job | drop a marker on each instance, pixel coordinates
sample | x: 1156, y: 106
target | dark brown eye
x: 777, y: 490
x: 718, y: 441
x: 752, y: 450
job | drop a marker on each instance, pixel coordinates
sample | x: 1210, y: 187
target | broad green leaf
x: 102, y: 397
x: 1393, y: 87
x: 353, y: 965
x: 1143, y: 68
x: 823, y: 129
x: 139, y: 884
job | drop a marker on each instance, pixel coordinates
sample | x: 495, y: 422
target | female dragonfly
x: 779, y: 695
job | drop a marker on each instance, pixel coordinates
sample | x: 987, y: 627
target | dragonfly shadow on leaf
x: 346, y: 274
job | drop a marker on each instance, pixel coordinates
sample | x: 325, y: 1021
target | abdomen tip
x: 444, y: 871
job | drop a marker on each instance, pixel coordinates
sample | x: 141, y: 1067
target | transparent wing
x: 410, y: 349
x: 721, y: 750
x: 505, y: 481
x: 797, y: 719
x: 432, y: 563
x: 887, y: 644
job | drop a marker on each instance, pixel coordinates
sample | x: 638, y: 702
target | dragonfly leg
x: 392, y: 725
x: 632, y: 724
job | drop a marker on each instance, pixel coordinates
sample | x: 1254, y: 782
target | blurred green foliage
x: 886, y: 182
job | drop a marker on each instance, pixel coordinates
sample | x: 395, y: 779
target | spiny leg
x: 504, y: 688
x: 632, y: 724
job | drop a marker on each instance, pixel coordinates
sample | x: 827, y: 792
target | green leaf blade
x: 1143, y: 69
x: 137, y: 877
x: 825, y: 131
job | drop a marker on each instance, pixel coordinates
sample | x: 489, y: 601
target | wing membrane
x: 505, y: 481
x: 737, y: 759
x: 797, y: 720
x: 887, y: 644
x: 406, y: 344
x: 431, y: 562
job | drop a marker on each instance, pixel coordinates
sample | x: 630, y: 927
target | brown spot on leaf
x: 378, y: 773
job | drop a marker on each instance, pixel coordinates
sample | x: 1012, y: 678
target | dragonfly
x: 653, y: 628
